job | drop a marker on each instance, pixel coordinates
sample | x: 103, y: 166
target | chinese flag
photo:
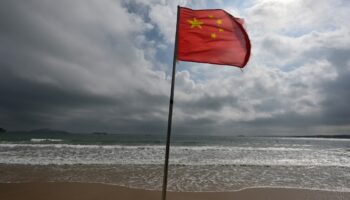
x: 212, y: 36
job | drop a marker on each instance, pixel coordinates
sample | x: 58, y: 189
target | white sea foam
x: 323, y: 165
x: 43, y: 154
x: 45, y: 140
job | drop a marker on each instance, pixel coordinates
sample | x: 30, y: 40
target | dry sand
x: 90, y: 191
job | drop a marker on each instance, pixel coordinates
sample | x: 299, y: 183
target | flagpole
x: 170, y: 116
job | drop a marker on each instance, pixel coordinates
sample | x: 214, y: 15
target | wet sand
x: 95, y: 191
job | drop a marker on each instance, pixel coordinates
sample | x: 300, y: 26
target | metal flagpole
x: 170, y: 117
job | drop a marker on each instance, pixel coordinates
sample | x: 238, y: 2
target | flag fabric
x: 212, y: 36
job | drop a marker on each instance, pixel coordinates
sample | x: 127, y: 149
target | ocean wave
x: 44, y: 154
x: 45, y: 140
x: 141, y: 147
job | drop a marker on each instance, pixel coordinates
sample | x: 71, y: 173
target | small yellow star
x: 213, y: 35
x: 221, y: 30
x: 219, y: 21
x: 195, y: 23
x: 211, y: 16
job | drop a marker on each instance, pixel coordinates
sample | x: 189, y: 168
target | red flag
x: 212, y: 36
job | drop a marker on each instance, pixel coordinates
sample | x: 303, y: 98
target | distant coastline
x: 47, y: 131
x: 323, y: 136
x: 52, y: 132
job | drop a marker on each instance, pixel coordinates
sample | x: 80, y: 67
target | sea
x: 197, y: 162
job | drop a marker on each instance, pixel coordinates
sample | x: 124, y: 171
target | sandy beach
x: 87, y: 191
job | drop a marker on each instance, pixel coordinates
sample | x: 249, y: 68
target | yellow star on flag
x: 195, y: 23
x: 213, y: 35
x: 219, y: 21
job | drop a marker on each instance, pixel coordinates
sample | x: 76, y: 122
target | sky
x: 88, y: 65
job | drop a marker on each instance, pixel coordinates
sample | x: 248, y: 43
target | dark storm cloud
x: 336, y: 105
x: 26, y: 104
x: 74, y: 65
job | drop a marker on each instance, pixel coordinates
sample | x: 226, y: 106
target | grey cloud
x: 73, y: 65
x: 336, y: 105
x: 91, y: 66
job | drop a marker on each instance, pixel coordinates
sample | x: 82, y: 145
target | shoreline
x: 172, y: 191
x: 86, y: 191
x: 232, y: 178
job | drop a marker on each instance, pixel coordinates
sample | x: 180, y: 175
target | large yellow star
x: 195, y: 23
